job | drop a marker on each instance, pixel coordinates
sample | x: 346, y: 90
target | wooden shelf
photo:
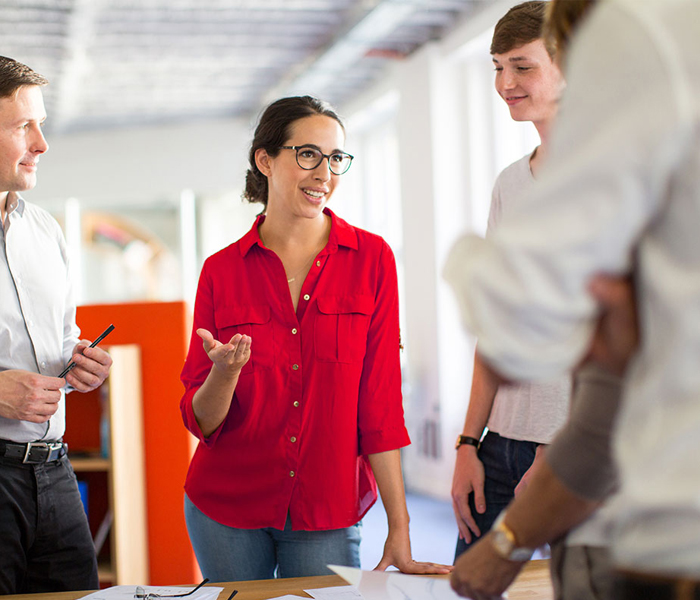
x: 116, y: 484
x: 84, y: 464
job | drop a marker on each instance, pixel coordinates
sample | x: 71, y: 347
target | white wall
x: 448, y: 162
x: 144, y: 162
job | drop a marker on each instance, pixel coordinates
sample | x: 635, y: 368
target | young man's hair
x: 562, y: 18
x: 521, y: 25
x: 14, y: 75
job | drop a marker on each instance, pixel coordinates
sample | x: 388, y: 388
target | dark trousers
x: 45, y: 541
x: 505, y: 462
x: 644, y: 586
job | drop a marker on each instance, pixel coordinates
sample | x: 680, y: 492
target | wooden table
x: 532, y: 584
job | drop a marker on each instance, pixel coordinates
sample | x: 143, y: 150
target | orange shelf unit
x: 162, y: 330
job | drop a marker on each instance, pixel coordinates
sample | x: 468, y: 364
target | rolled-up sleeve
x: 581, y: 454
x: 380, y: 413
x: 198, y: 364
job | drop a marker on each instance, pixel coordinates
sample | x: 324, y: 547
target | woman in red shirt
x: 294, y: 389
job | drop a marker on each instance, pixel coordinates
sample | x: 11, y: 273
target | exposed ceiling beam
x: 347, y: 48
x: 80, y: 31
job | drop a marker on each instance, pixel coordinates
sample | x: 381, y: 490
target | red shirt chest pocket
x: 340, y: 328
x: 253, y: 320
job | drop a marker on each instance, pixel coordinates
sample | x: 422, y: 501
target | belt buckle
x: 32, y: 445
x: 52, y: 451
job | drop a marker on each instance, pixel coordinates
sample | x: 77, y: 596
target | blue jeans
x: 505, y: 462
x: 229, y: 554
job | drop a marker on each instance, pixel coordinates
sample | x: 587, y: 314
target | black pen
x: 102, y: 336
x: 233, y: 593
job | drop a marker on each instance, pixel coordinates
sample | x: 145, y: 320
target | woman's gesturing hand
x: 228, y: 358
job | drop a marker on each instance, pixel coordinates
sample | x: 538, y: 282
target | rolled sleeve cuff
x: 383, y: 441
x: 581, y: 454
x: 191, y: 424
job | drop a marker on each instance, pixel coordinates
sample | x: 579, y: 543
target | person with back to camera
x: 294, y: 389
x: 522, y: 418
x: 619, y: 199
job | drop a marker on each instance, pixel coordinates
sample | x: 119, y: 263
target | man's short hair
x: 14, y: 75
x: 521, y: 25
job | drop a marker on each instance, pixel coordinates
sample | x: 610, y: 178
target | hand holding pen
x: 92, y: 368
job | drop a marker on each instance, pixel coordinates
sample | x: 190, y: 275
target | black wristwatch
x: 468, y: 440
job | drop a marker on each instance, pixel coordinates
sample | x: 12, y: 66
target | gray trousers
x: 581, y: 572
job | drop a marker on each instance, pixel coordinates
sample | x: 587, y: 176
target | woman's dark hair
x: 273, y: 131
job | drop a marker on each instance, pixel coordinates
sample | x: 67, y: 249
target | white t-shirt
x: 621, y: 189
x: 526, y: 411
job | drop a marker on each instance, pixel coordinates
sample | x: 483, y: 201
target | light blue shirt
x: 37, y: 311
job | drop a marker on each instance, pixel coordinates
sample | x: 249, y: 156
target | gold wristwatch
x: 504, y: 542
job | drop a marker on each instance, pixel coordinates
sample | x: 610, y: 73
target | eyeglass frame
x: 142, y: 594
x: 328, y: 156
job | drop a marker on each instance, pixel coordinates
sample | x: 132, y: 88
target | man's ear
x: 262, y: 161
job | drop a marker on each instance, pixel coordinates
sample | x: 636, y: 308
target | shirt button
x: 294, y: 331
x: 296, y: 403
x: 295, y: 367
x: 306, y: 296
x: 292, y: 473
x: 292, y: 439
x: 43, y: 365
x: 318, y: 263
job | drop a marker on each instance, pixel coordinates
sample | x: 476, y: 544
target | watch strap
x: 463, y: 440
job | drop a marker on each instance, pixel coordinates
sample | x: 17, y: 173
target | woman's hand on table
x: 397, y: 553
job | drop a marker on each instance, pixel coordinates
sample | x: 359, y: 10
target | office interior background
x: 152, y: 106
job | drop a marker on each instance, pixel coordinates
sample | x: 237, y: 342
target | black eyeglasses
x: 142, y: 594
x: 309, y: 157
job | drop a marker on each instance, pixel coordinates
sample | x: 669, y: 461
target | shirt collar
x: 14, y: 202
x: 342, y: 234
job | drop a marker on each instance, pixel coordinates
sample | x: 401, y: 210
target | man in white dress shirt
x: 44, y: 535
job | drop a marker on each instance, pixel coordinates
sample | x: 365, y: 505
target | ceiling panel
x: 117, y: 62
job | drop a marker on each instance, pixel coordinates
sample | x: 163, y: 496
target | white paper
x: 126, y: 592
x: 383, y: 585
x: 341, y: 592
x: 288, y: 597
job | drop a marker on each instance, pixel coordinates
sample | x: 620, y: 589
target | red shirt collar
x: 342, y: 234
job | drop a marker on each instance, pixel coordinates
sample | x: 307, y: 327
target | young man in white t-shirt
x: 521, y: 418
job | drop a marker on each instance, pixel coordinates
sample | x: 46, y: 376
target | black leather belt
x: 33, y: 452
x: 637, y: 586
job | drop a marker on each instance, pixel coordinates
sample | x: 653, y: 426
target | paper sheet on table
x: 126, y: 592
x: 383, y: 585
x: 341, y: 592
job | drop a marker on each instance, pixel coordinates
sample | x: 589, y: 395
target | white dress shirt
x: 37, y: 311
x: 622, y: 187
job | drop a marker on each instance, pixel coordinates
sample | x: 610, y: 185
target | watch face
x: 502, y: 544
x: 504, y: 547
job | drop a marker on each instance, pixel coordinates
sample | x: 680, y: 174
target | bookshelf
x: 113, y: 468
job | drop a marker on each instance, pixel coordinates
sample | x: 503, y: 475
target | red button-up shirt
x: 321, y: 390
